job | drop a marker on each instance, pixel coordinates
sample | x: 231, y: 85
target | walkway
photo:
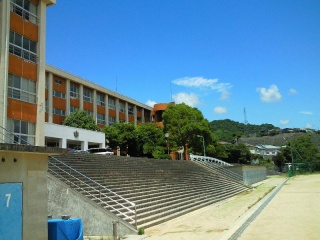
x: 292, y: 214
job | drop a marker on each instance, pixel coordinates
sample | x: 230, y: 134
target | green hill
x: 228, y: 130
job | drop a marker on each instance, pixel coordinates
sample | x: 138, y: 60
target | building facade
x: 34, y: 95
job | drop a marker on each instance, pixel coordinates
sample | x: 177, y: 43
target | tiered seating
x: 159, y: 190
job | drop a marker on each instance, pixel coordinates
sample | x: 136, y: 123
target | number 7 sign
x: 10, y: 211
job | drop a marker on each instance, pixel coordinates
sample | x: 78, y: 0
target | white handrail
x: 208, y: 159
x: 100, y: 188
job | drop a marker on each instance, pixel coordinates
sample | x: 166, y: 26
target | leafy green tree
x: 79, y: 119
x: 122, y: 135
x: 303, y: 149
x: 238, y: 153
x: 186, y: 125
x: 150, y: 140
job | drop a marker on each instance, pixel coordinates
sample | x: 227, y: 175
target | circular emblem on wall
x: 76, y: 134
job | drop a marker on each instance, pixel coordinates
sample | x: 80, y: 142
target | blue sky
x: 219, y: 56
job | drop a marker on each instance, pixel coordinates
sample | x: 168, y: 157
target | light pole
x: 292, y: 166
x: 204, y: 147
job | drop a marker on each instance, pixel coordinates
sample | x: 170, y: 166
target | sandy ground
x: 294, y: 213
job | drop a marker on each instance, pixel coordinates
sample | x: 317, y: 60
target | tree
x: 150, y: 140
x: 237, y: 153
x: 303, y: 150
x: 122, y: 135
x: 185, y: 125
x: 79, y: 119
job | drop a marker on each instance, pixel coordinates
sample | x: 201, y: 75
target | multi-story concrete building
x: 35, y: 98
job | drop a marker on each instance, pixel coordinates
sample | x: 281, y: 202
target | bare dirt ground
x: 294, y: 213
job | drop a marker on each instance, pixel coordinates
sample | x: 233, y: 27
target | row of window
x: 20, y: 132
x: 21, y: 88
x: 100, y: 101
x: 88, y: 97
x: 22, y: 47
x: 26, y: 9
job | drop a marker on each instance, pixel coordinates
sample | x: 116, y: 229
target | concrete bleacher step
x: 161, y: 189
x: 163, y: 217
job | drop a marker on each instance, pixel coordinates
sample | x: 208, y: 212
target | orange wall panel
x: 22, y: 68
x: 16, y: 23
x: 122, y: 116
x: 88, y: 106
x: 112, y: 113
x: 22, y: 110
x: 56, y: 119
x: 100, y: 109
x: 131, y: 118
x: 59, y: 87
x: 59, y: 103
x: 31, y: 31
x: 15, y: 65
x: 46, y: 117
x: 23, y: 27
x: 30, y: 70
x: 75, y: 102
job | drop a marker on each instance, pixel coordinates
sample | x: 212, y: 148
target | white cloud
x: 204, y: 83
x: 225, y: 95
x: 189, y: 99
x: 293, y: 91
x: 269, y: 95
x: 284, y: 122
x: 220, y: 110
x: 306, y: 112
x: 150, y: 103
x: 308, y: 125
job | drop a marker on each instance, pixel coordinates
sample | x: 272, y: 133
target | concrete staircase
x: 144, y: 192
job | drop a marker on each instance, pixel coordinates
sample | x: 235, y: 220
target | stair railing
x: 98, y: 187
x: 217, y: 165
x: 8, y: 135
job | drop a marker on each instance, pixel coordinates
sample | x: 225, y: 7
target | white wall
x: 65, y: 133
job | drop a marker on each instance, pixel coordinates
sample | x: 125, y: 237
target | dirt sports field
x: 293, y: 213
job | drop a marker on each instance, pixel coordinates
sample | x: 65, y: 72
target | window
x: 122, y: 107
x: 112, y: 103
x: 59, y: 112
x: 58, y: 81
x: 101, y: 119
x: 112, y: 121
x: 47, y: 105
x: 47, y: 81
x: 100, y: 100
x: 25, y: 9
x: 21, y: 88
x: 88, y: 112
x: 23, y: 47
x: 130, y: 110
x: 87, y: 95
x: 58, y: 94
x: 21, y: 132
x: 73, y: 109
x: 74, y: 91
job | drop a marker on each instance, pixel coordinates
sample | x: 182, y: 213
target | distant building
x: 157, y: 112
x: 266, y: 151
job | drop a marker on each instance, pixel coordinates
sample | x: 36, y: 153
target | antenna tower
x: 245, y: 121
